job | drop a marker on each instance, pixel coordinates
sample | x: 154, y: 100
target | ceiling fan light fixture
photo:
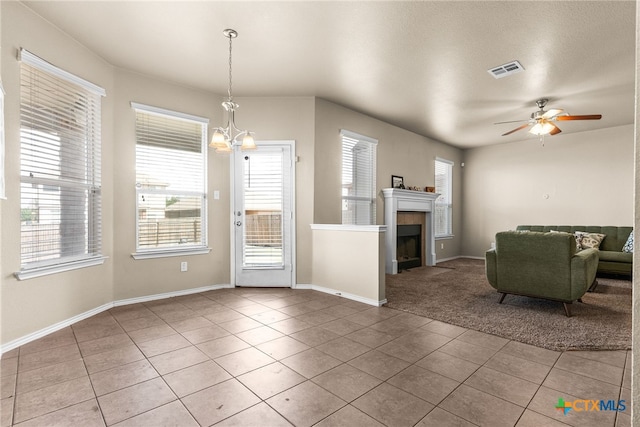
x: 543, y: 127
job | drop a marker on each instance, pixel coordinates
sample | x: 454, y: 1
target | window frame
x: 372, y: 148
x: 175, y: 250
x: 445, y: 199
x: 48, y: 75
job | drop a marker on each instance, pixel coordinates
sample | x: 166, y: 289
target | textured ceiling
x: 419, y: 65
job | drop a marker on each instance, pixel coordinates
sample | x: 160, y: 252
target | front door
x: 263, y: 220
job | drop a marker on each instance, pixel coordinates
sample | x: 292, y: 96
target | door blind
x: 60, y: 200
x: 358, y: 179
x: 263, y: 204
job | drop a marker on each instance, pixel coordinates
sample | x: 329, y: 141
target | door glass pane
x: 263, y: 202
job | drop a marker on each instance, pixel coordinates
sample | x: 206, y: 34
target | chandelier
x: 225, y: 138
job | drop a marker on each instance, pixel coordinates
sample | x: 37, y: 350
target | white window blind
x: 170, y: 180
x: 60, y: 208
x: 443, y: 205
x: 358, y: 179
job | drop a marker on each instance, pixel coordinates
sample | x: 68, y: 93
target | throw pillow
x: 579, y: 235
x: 628, y: 247
x: 591, y: 240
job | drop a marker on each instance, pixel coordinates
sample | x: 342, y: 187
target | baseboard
x: 458, y: 257
x: 347, y: 295
x: 68, y: 322
x: 172, y: 294
x: 54, y: 328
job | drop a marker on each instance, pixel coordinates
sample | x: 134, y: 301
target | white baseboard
x: 342, y: 294
x: 458, y: 257
x: 68, y: 322
x: 172, y: 294
x: 55, y: 327
x: 136, y: 300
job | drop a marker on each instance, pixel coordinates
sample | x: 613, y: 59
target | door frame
x: 232, y: 206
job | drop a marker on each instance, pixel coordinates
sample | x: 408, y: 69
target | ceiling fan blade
x: 516, y: 129
x: 511, y: 121
x: 552, y: 113
x: 585, y: 117
x: 555, y: 129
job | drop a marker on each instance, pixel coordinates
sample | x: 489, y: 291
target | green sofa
x: 612, y: 259
x: 541, y: 265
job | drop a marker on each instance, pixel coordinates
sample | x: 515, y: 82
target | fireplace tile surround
x: 398, y: 201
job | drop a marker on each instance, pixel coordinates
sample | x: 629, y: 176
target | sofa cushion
x: 628, y: 246
x: 616, y: 236
x: 615, y: 256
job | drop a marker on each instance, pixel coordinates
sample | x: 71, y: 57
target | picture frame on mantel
x: 397, y: 181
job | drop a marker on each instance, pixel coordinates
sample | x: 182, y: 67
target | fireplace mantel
x: 397, y: 200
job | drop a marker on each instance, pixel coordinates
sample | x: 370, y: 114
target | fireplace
x: 409, y: 253
x: 406, y: 207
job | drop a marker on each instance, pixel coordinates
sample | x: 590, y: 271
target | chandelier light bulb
x: 248, y: 142
x: 218, y: 140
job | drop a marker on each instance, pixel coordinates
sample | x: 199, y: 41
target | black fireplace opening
x: 409, y: 251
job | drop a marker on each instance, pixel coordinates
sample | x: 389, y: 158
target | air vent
x: 506, y: 69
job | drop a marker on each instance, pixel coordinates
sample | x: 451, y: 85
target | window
x: 358, y: 179
x: 60, y: 212
x: 171, y: 164
x: 444, y: 174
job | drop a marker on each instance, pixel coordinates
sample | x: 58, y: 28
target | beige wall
x: 31, y: 305
x: 289, y: 119
x: 350, y: 262
x: 136, y: 278
x: 400, y: 152
x: 587, y: 176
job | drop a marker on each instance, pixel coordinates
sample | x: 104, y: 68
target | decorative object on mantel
x: 430, y: 189
x: 224, y: 139
x: 397, y: 182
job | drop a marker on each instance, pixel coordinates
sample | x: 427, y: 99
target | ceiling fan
x: 541, y: 120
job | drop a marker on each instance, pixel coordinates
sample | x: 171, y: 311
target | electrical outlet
x: 441, y: 245
x: 183, y: 266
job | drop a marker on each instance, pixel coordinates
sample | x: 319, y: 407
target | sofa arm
x: 584, y: 266
x: 491, y: 267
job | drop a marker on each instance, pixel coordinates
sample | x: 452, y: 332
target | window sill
x: 58, y: 268
x: 170, y: 253
x: 445, y: 237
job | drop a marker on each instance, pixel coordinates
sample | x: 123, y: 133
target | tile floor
x: 281, y: 357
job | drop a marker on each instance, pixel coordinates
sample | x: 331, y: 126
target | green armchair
x: 541, y: 265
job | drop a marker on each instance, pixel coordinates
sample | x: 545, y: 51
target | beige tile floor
x: 281, y: 357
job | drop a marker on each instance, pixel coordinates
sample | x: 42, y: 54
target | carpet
x: 457, y: 292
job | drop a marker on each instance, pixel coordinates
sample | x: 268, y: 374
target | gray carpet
x: 458, y: 292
